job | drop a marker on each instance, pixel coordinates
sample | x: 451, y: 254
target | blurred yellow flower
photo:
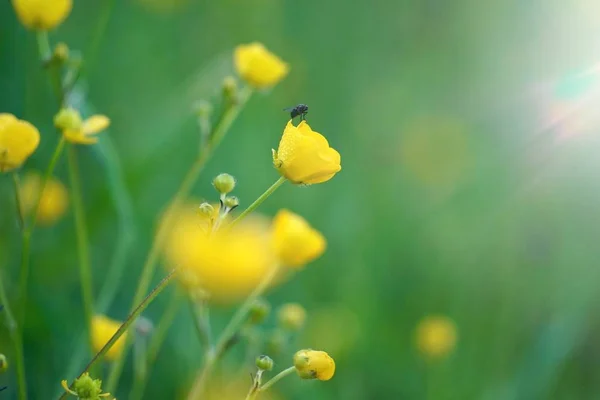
x: 296, y: 242
x: 313, y: 364
x: 42, y: 14
x: 53, y: 202
x: 436, y: 336
x: 304, y: 156
x: 103, y: 328
x: 18, y: 140
x: 291, y: 316
x: 258, y: 66
x: 227, y: 264
x: 76, y: 131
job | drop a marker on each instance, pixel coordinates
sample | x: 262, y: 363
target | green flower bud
x: 231, y: 202
x: 86, y: 388
x: 68, y: 118
x: 230, y: 89
x: 224, y: 183
x: 291, y: 316
x: 206, y: 210
x: 264, y: 363
x: 3, y: 363
x: 259, y: 311
x: 61, y: 52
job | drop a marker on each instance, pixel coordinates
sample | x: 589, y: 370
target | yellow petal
x: 6, y: 118
x: 103, y: 329
x: 258, y: 66
x: 296, y: 242
x: 76, y: 136
x: 95, y: 124
x: 18, y: 140
x: 42, y: 14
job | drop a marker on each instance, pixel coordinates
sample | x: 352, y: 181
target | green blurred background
x: 468, y: 135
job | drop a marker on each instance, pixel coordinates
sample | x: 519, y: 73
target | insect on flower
x: 300, y: 109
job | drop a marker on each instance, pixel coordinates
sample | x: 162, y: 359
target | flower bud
x: 61, y: 52
x: 68, y: 119
x: 264, y: 363
x: 3, y: 363
x: 231, y: 202
x: 230, y: 89
x: 206, y: 210
x: 291, y: 316
x: 224, y: 183
x: 312, y: 364
x: 85, y: 387
x: 259, y: 311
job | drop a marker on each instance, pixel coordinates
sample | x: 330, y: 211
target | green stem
x: 189, y: 180
x: 17, y: 338
x: 85, y: 270
x: 127, y: 323
x: 255, y: 385
x: 45, y: 53
x: 260, y: 200
x: 99, y: 32
x: 228, y: 334
x: 201, y: 319
x: 156, y: 341
x: 18, y: 201
x: 276, y: 379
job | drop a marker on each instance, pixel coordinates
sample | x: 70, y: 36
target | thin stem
x: 17, y: 339
x: 255, y: 385
x: 45, y: 53
x: 229, y: 333
x: 99, y: 32
x: 201, y: 319
x: 260, y: 200
x: 127, y: 323
x: 18, y: 201
x: 276, y: 379
x: 85, y: 270
x: 189, y: 180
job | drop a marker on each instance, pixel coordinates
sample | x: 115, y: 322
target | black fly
x: 299, y: 110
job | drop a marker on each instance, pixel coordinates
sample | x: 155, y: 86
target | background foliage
x: 468, y: 138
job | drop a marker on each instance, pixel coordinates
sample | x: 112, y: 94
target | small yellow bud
x: 312, y: 364
x: 61, y: 52
x: 259, y: 311
x: 206, y: 210
x: 258, y: 66
x: 68, y: 118
x: 3, y: 363
x: 230, y: 88
x: 231, y: 202
x: 264, y: 363
x: 291, y: 316
x: 224, y: 183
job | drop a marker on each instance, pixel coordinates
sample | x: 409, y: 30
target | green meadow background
x: 470, y: 184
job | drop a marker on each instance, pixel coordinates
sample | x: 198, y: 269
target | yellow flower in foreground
x: 312, y: 364
x: 296, y: 242
x: 227, y: 264
x: 54, y: 200
x: 304, y: 156
x: 76, y: 131
x: 258, y: 66
x: 18, y: 140
x: 103, y: 328
x: 436, y: 336
x: 42, y: 14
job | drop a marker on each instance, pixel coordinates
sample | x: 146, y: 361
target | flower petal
x: 95, y: 124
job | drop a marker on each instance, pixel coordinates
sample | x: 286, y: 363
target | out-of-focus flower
x: 291, y: 316
x: 228, y: 263
x: 18, y: 140
x: 76, y: 131
x: 304, y: 156
x: 53, y: 201
x: 85, y: 388
x: 313, y: 364
x: 103, y: 328
x: 335, y: 328
x: 258, y: 66
x: 3, y: 363
x: 42, y: 14
x: 296, y: 242
x: 436, y: 336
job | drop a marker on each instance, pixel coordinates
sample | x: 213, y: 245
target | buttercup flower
x: 42, y: 14
x: 304, y: 156
x: 312, y: 364
x: 296, y: 242
x: 76, y: 131
x: 53, y: 202
x: 436, y: 336
x: 18, y: 140
x: 258, y: 66
x: 291, y: 316
x: 103, y: 328
x: 228, y: 263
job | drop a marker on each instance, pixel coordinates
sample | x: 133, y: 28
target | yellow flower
x: 291, y: 316
x: 258, y: 66
x: 18, y: 140
x: 227, y: 264
x: 42, y: 14
x: 53, y: 202
x: 103, y: 328
x: 312, y: 364
x: 436, y: 336
x: 304, y: 156
x: 77, y: 131
x: 296, y: 242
